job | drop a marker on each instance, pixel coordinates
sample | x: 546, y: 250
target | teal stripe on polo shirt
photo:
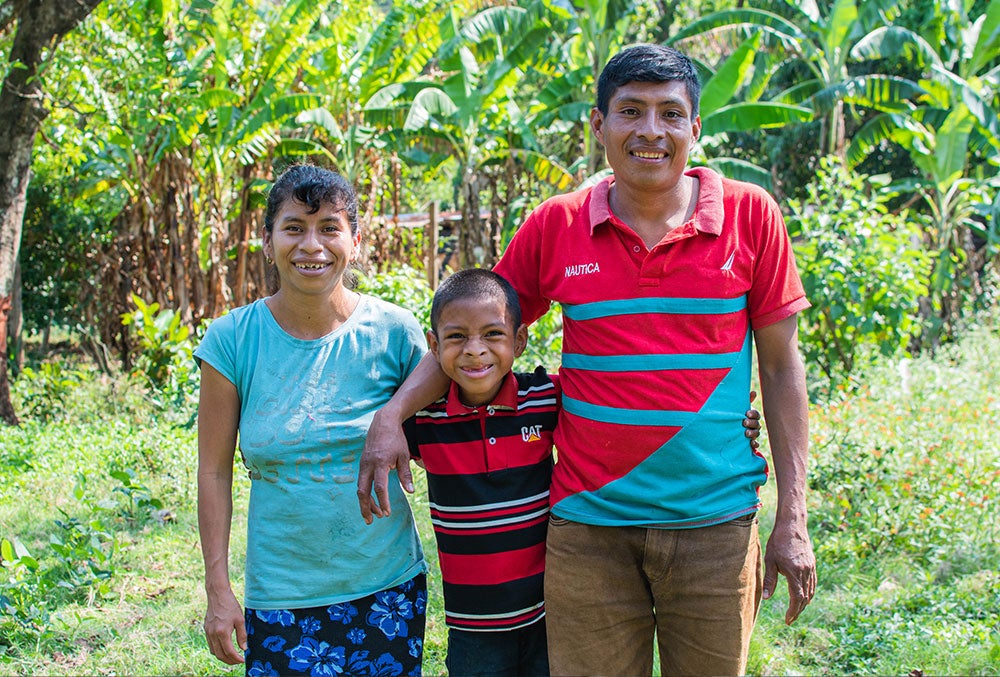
x: 658, y: 492
x: 655, y: 306
x: 619, y: 363
x: 620, y: 416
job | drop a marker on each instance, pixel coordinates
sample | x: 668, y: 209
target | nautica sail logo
x: 582, y: 269
x: 728, y: 265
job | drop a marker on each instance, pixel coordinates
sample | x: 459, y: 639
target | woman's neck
x: 308, y: 317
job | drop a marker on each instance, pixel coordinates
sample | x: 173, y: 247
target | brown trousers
x: 609, y: 589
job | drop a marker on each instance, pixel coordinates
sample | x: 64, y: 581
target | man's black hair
x: 647, y: 63
x: 477, y: 284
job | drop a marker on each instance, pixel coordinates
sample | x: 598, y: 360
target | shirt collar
x: 708, y: 213
x: 506, y: 398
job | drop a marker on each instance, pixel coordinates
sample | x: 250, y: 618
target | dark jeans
x: 511, y: 653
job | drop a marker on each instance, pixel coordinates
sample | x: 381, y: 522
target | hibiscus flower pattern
x: 379, y: 635
x: 390, y: 612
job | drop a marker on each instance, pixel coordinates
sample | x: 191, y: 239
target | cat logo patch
x: 531, y: 433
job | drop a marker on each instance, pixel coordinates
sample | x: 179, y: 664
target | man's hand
x: 789, y: 553
x: 385, y: 448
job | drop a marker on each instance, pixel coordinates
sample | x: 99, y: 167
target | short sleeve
x: 218, y: 347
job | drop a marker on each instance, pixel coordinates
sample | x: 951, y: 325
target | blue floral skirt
x: 382, y: 634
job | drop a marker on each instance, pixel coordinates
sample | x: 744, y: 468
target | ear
x: 432, y: 343
x: 265, y: 245
x: 695, y: 129
x: 520, y: 340
x: 597, y: 124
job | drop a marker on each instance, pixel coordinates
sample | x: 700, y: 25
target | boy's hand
x: 752, y: 423
x: 385, y: 449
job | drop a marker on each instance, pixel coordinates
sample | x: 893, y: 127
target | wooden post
x: 432, y: 245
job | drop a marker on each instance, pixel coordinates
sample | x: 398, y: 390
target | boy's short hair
x: 647, y: 63
x: 477, y: 284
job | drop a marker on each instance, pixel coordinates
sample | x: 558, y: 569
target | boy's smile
x: 476, y: 344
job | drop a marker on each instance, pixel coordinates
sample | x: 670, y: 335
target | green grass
x: 904, y: 519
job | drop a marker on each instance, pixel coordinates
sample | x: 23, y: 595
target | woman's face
x: 311, y: 251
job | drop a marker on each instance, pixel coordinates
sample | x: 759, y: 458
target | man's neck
x: 653, y: 216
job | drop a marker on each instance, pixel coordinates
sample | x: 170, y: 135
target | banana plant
x: 471, y: 117
x: 721, y: 114
x: 800, y: 32
x: 952, y: 134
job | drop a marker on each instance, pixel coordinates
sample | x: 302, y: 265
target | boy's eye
x: 453, y: 337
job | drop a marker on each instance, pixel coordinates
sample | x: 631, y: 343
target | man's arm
x: 783, y: 391
x: 385, y: 446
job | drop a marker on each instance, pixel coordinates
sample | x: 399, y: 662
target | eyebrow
x: 675, y: 101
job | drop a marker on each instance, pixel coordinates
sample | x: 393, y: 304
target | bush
x: 166, y: 358
x: 861, y: 270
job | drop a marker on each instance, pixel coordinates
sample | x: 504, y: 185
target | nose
x: 651, y: 126
x: 310, y: 240
x: 475, y: 346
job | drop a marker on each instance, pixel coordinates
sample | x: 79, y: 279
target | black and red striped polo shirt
x: 488, y: 474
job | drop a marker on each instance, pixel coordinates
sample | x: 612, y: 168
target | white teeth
x: 649, y: 156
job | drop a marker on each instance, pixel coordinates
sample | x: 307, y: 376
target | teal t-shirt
x: 305, y: 408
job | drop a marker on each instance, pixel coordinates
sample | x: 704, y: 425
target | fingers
x: 404, y: 473
x: 770, y: 578
x: 800, y: 592
x: 220, y: 641
x: 366, y: 478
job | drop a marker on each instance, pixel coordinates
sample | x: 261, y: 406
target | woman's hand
x: 223, y: 617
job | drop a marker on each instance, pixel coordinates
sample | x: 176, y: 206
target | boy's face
x: 475, y: 344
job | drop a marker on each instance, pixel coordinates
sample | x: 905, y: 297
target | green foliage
x: 544, y: 343
x: 165, y: 355
x: 44, y: 391
x: 404, y: 286
x: 860, y: 270
x: 905, y: 521
x: 79, y: 558
x: 57, y: 259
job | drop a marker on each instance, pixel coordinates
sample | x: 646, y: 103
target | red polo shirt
x: 656, y: 349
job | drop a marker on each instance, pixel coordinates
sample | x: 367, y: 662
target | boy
x: 487, y: 450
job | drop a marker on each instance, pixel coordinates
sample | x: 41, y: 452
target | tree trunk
x: 40, y: 25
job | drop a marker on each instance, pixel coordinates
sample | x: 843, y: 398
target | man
x: 668, y: 276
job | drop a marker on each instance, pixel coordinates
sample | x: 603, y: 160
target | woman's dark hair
x: 647, y: 63
x: 312, y: 186
x: 477, y: 284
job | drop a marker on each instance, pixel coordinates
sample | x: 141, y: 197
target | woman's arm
x: 218, y: 423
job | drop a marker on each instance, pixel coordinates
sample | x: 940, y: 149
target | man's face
x: 647, y: 133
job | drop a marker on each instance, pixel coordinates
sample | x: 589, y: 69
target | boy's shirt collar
x: 506, y: 398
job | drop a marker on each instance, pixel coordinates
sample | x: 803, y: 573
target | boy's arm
x: 385, y: 446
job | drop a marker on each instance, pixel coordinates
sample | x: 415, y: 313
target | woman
x: 297, y: 377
